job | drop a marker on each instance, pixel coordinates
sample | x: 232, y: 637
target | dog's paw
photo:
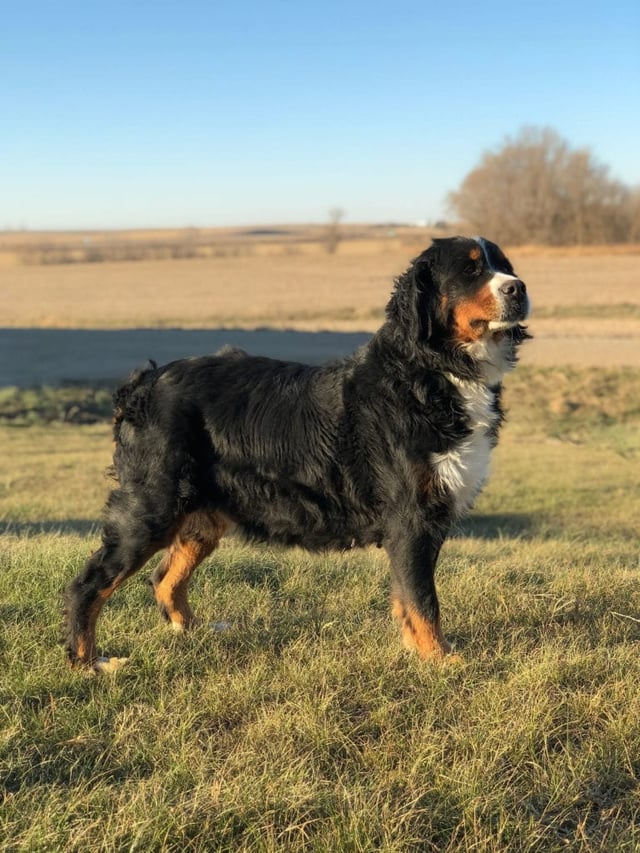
x: 451, y: 660
x: 107, y: 666
x: 218, y: 627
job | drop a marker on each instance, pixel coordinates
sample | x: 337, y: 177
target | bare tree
x: 332, y: 234
x: 535, y: 188
x: 633, y: 208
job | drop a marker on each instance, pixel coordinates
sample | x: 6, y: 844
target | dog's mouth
x: 510, y: 307
x: 514, y: 312
x: 494, y: 326
x: 496, y: 329
x: 492, y: 319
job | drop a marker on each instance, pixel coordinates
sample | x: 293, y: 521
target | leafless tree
x: 536, y: 189
x: 633, y: 206
x: 332, y: 234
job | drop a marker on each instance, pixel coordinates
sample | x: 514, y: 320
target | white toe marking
x: 109, y: 665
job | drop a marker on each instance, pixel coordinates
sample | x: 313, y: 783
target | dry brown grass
x: 71, y: 247
x: 294, y: 285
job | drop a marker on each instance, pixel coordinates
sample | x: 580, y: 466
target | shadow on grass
x: 79, y: 526
x: 77, y: 760
x: 494, y: 526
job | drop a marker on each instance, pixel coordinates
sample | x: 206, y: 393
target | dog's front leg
x: 415, y: 604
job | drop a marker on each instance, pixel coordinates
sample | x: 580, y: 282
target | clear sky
x: 132, y: 114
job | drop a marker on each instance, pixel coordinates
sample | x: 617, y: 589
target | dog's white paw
x: 109, y: 665
x: 219, y: 627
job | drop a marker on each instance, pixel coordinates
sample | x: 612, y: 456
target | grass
x: 45, y: 404
x: 306, y: 726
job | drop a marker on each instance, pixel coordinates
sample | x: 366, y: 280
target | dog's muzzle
x: 512, y: 299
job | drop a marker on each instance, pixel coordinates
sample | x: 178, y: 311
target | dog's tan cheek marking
x: 471, y: 317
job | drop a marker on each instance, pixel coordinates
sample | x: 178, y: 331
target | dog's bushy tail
x: 129, y: 401
x: 131, y: 405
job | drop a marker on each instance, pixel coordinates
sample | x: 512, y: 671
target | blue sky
x: 198, y: 114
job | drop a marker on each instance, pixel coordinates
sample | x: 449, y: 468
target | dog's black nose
x: 513, y: 287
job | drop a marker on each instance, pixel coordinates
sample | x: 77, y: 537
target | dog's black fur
x: 324, y: 457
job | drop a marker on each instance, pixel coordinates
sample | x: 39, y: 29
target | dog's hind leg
x: 198, y: 535
x: 133, y: 531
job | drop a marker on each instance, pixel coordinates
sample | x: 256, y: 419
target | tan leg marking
x: 198, y: 536
x: 418, y: 634
x: 87, y: 652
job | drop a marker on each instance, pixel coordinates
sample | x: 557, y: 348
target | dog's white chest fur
x: 463, y: 470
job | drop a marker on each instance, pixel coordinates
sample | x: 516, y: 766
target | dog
x: 389, y: 446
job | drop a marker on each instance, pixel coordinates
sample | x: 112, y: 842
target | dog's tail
x: 131, y: 405
x: 130, y: 400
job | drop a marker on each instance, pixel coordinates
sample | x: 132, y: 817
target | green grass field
x: 305, y: 726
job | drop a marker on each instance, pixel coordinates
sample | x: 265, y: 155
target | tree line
x: 537, y: 189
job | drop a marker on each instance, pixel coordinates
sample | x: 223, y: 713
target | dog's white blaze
x: 464, y: 469
x: 495, y: 283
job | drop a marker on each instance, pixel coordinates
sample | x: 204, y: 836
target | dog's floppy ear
x: 414, y: 304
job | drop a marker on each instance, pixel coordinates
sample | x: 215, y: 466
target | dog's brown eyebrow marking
x: 474, y: 254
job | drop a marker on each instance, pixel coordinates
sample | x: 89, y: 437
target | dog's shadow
x: 77, y: 526
x: 495, y: 526
x: 478, y: 526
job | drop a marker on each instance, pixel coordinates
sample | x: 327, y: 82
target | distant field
x: 586, y: 302
x: 236, y: 278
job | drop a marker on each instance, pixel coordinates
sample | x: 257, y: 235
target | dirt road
x: 583, y: 343
x: 30, y: 357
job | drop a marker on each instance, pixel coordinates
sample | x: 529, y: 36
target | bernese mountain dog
x: 388, y: 447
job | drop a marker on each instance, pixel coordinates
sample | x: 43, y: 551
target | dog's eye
x: 472, y: 270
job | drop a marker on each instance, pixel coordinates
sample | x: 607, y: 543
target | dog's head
x: 462, y: 296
